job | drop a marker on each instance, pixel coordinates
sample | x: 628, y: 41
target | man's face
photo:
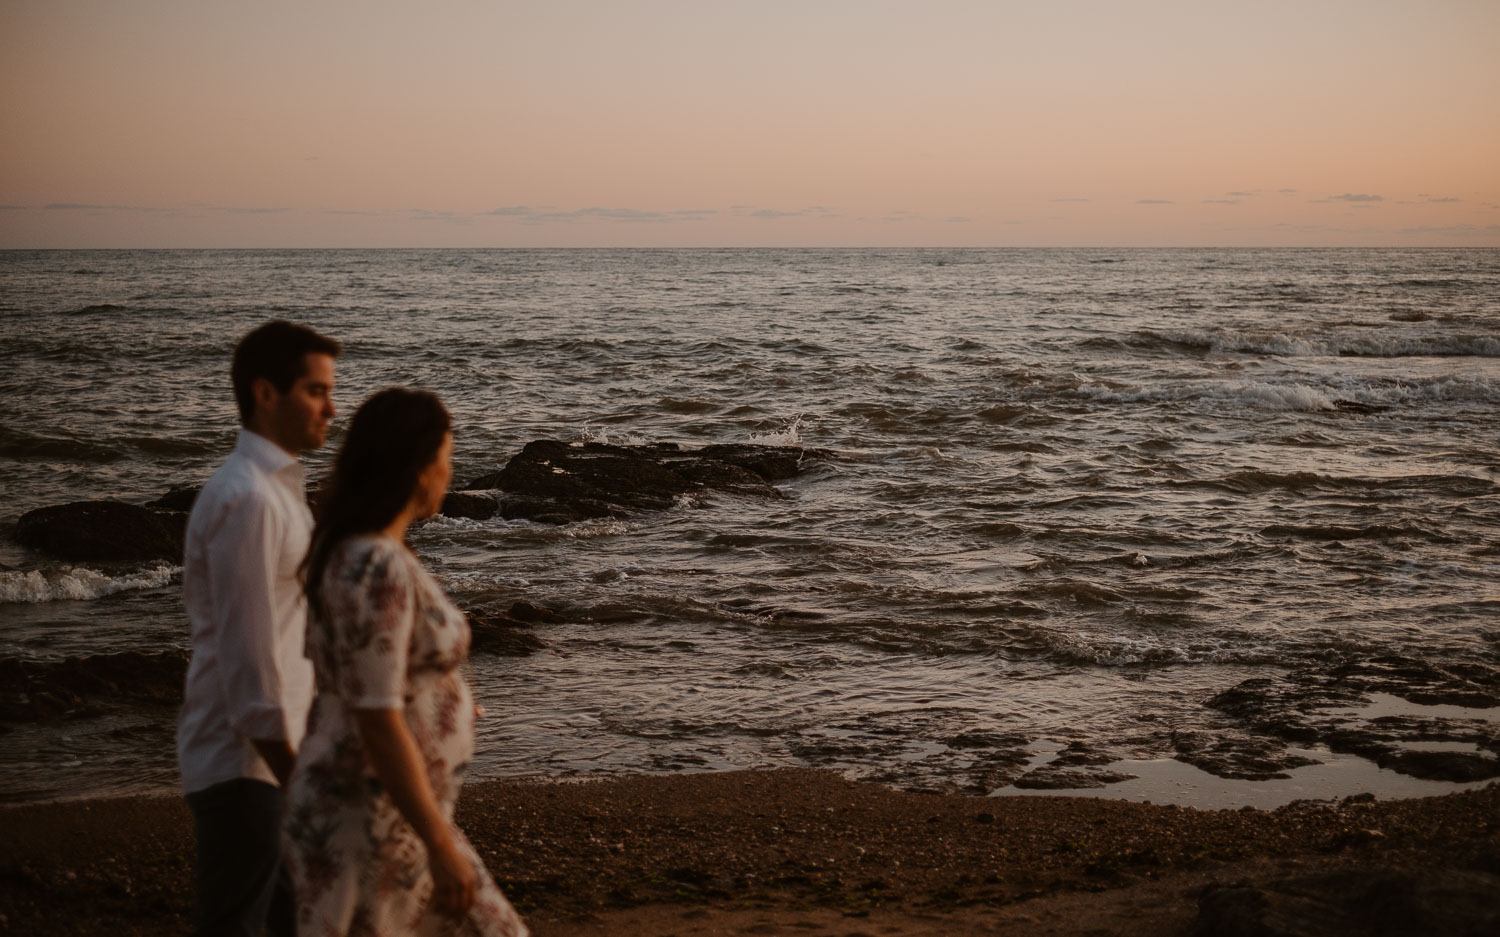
x: 298, y: 419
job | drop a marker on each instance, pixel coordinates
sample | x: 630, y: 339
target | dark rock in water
x: 525, y: 611
x: 1077, y: 765
x: 502, y: 641
x: 557, y: 482
x: 488, y: 482
x: 1060, y: 778
x: 1312, y: 706
x: 32, y: 691
x: 996, y: 769
x: 772, y: 463
x: 972, y: 767
x: 1081, y: 754
x: 1442, y: 766
x: 601, y: 480
x: 108, y: 531
x: 473, y: 507
x: 1248, y: 759
x: 1356, y: 903
x: 980, y: 739
x: 504, y: 633
x: 178, y: 499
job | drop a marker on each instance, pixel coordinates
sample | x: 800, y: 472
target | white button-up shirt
x: 249, y: 677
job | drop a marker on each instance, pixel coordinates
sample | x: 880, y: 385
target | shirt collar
x: 270, y: 457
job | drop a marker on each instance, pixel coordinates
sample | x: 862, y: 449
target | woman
x: 371, y: 844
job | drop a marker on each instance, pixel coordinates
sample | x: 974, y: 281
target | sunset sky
x: 334, y: 123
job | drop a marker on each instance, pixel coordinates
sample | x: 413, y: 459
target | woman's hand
x: 453, y: 879
x: 398, y: 763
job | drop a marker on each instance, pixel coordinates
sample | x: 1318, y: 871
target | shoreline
x: 1330, y: 778
x: 791, y: 850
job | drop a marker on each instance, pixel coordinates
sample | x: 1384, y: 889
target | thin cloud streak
x: 159, y: 209
x: 531, y: 215
x: 1453, y: 231
x: 83, y: 206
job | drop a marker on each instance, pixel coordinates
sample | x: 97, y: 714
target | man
x: 249, y: 686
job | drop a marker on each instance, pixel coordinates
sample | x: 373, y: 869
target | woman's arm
x: 401, y: 768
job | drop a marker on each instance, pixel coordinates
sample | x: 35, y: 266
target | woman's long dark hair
x: 394, y: 436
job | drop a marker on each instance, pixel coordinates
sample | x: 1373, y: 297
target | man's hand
x: 279, y: 756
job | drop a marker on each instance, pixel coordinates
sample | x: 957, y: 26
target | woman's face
x: 433, y: 483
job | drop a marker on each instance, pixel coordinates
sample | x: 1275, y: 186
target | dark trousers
x: 241, y: 886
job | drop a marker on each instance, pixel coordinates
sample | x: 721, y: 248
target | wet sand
x: 797, y: 852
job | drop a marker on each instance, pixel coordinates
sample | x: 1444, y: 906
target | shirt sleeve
x: 371, y: 614
x: 243, y: 556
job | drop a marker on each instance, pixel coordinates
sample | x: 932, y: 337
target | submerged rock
x: 178, y: 499
x: 1055, y: 777
x: 505, y: 633
x: 557, y: 482
x: 104, y: 531
x: 1241, y: 758
x: 1322, y: 706
x: 471, y: 506
x: 33, y: 691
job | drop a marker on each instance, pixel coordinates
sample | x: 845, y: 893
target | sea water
x: 1073, y: 494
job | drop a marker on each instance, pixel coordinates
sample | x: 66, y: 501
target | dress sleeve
x: 370, y: 610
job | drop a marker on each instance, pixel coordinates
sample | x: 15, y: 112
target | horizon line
x: 791, y: 247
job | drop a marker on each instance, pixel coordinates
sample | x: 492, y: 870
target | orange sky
x: 184, y: 123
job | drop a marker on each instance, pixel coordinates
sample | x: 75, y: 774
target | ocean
x: 1074, y: 498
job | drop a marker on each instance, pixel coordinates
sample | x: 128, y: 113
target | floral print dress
x: 390, y: 639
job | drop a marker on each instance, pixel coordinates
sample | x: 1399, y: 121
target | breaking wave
x: 1293, y: 345
x: 1256, y: 394
x: 1358, y: 394
x: 77, y: 583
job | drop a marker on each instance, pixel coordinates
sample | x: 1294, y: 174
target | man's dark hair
x: 274, y: 351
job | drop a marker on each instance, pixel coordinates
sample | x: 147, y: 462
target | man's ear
x: 265, y: 394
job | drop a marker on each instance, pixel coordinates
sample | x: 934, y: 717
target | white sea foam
x: 77, y: 583
x: 465, y: 583
x: 456, y: 523
x: 1444, y: 389
x: 1119, y: 650
x: 590, y: 530
x: 1285, y: 397
x: 1305, y: 397
x: 1399, y: 345
x: 603, y: 437
x: 788, y: 435
x: 688, y: 500
x: 1256, y: 394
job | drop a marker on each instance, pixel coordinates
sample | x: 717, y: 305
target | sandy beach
x: 807, y: 852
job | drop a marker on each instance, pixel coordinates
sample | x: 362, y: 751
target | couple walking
x: 326, y: 725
